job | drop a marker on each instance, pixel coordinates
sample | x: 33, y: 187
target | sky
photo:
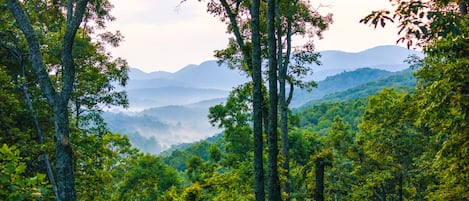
x: 163, y: 35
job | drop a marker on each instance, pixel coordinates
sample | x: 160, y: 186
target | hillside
x: 336, y: 83
x: 399, y: 80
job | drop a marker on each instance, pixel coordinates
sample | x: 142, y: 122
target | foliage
x: 421, y: 22
x: 13, y: 184
x: 319, y: 118
x: 100, y: 157
x: 145, y: 177
x: 444, y: 98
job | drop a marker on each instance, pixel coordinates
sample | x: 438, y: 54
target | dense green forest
x: 404, y: 142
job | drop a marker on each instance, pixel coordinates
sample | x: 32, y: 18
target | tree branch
x: 38, y: 66
x: 237, y: 33
x: 74, y: 19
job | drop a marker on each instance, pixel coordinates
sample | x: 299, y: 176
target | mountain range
x: 172, y: 108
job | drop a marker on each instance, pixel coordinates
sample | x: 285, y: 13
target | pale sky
x: 159, y: 36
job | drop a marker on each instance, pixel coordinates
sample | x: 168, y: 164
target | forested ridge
x: 408, y: 141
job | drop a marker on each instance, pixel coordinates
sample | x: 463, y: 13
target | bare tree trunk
x: 63, y: 151
x: 257, y: 102
x: 252, y: 58
x: 273, y: 181
x: 319, y: 195
x: 401, y: 187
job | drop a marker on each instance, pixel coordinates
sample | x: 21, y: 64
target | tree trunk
x: 257, y: 103
x: 63, y: 151
x: 274, y: 184
x: 401, y: 187
x: 319, y: 195
x: 283, y: 100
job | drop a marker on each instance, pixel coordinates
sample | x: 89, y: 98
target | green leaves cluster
x: 421, y: 22
x: 14, y: 184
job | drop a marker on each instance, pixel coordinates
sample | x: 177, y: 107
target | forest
x: 409, y: 142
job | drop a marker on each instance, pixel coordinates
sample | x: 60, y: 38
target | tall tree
x: 390, y: 144
x: 251, y: 62
x: 249, y: 46
x: 293, y: 63
x: 58, y: 97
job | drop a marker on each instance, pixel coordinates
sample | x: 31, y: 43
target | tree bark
x: 257, y: 102
x: 63, y: 151
x: 273, y: 181
x: 284, y: 101
x: 401, y: 187
x: 319, y: 195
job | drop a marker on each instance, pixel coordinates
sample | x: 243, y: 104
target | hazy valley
x: 172, y: 108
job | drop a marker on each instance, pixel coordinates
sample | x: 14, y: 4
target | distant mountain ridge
x: 209, y: 74
x: 386, y: 57
x: 172, y: 108
x: 165, y: 126
x: 193, y: 82
x: 205, y: 75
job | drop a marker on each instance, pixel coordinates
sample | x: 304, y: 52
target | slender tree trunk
x: 273, y: 181
x: 257, y: 102
x: 384, y: 192
x: 282, y: 75
x: 401, y: 187
x: 16, y: 52
x: 40, y: 137
x: 252, y: 58
x: 284, y: 101
x: 319, y: 195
